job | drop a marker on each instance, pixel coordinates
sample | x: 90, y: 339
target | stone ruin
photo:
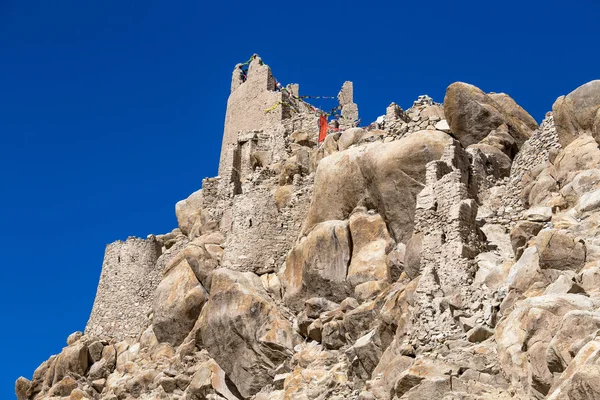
x: 448, y: 239
x: 237, y: 201
x: 254, y: 138
x: 126, y: 289
x: 446, y: 251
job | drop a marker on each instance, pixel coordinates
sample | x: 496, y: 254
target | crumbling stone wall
x: 126, y: 289
x: 425, y: 114
x: 445, y: 219
x: 536, y: 150
x: 506, y: 194
x: 349, y: 117
x: 260, y: 234
x: 247, y: 104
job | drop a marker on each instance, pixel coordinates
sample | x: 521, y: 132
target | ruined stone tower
x: 126, y: 288
x: 261, y: 117
x: 246, y: 107
x: 252, y: 94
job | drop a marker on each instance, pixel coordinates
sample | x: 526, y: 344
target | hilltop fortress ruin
x: 259, y: 229
x: 446, y: 251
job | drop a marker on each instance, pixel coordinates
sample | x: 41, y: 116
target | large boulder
x: 525, y: 272
x: 72, y: 359
x: 473, y: 115
x: 203, y: 255
x: 412, y: 258
x: 520, y: 235
x: 583, y: 153
x: 349, y: 137
x: 578, y: 113
x: 513, y: 110
x: 559, y: 250
x: 317, y: 266
x: 189, y: 212
x: 370, y: 244
x: 385, y: 177
x: 178, y: 300
x: 577, y: 328
x: 243, y: 330
x: 523, y: 338
x: 582, y: 185
x: 540, y: 185
x: 580, y: 380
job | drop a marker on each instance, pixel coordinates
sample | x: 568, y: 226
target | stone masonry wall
x: 446, y: 217
x: 536, y: 149
x: 125, y: 293
x: 246, y: 107
x: 260, y: 234
x: 507, y: 194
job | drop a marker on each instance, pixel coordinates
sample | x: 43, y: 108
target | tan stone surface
x: 576, y: 113
x: 382, y: 264
x: 370, y: 244
x: 318, y: 265
x: 385, y: 177
x: 177, y: 304
x: 473, y: 115
x: 243, y: 330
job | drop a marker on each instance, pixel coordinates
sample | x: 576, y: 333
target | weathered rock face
x: 243, y: 330
x: 178, y: 302
x: 473, y: 115
x: 371, y: 243
x: 559, y: 250
x: 189, y: 212
x: 384, y: 263
x: 318, y: 265
x: 583, y: 153
x: 383, y: 177
x: 578, y: 113
x: 210, y: 380
x: 523, y: 339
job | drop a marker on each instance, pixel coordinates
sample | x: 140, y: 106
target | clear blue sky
x: 112, y: 111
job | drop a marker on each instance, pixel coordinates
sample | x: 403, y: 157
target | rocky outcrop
x: 318, y: 265
x: 559, y: 250
x: 371, y: 243
x: 178, y: 302
x: 524, y: 336
x: 189, y: 212
x: 578, y: 113
x: 473, y: 115
x: 243, y: 330
x: 442, y: 252
x: 383, y: 177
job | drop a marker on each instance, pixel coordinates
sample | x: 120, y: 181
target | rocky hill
x: 447, y: 251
